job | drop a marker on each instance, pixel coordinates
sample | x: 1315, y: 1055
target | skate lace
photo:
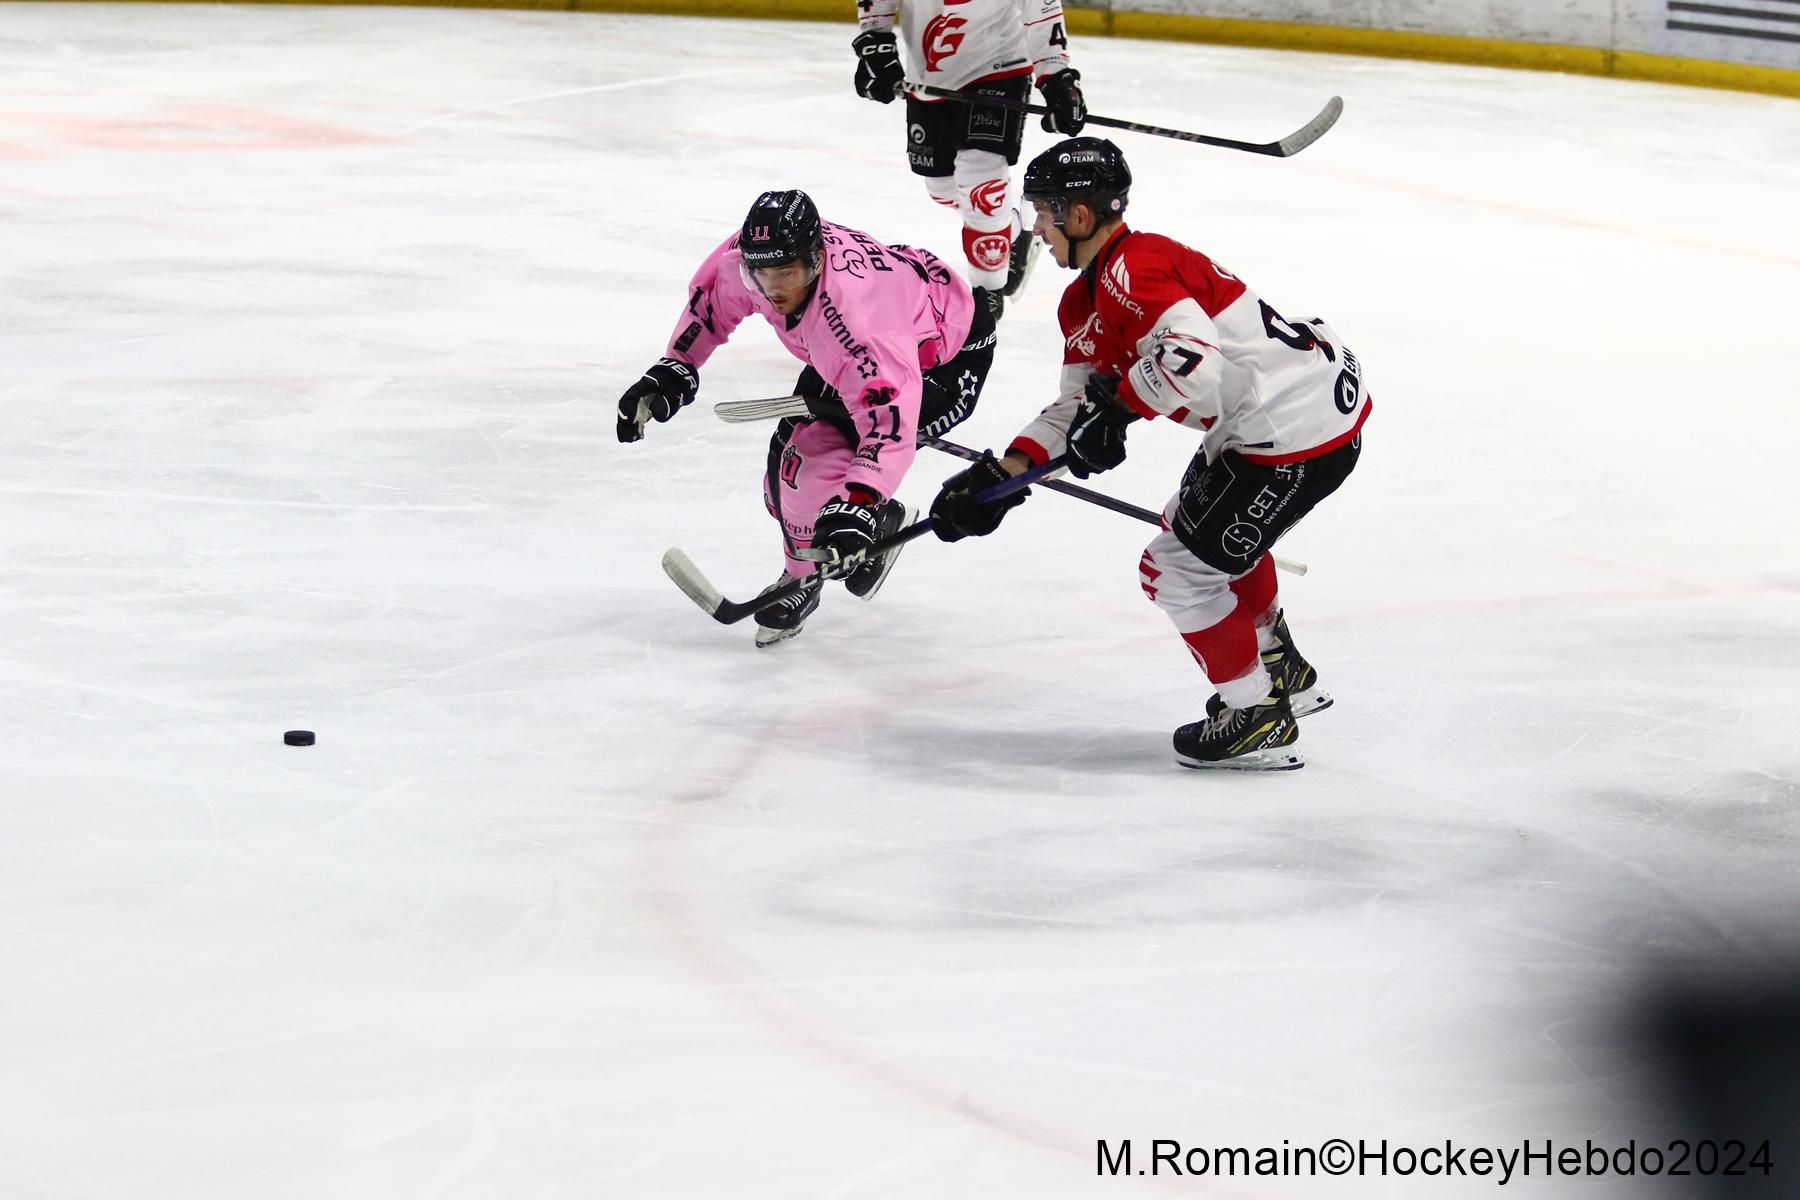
x: 1223, y: 723
x: 799, y: 599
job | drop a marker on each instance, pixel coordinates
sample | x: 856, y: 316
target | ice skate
x: 780, y: 622
x: 1242, y: 739
x: 1024, y: 256
x: 992, y: 299
x: 867, y: 579
x: 1295, y: 675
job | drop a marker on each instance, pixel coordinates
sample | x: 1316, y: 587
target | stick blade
x: 1313, y: 130
x: 680, y: 568
x: 740, y: 411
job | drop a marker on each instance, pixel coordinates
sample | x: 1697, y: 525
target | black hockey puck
x: 298, y: 737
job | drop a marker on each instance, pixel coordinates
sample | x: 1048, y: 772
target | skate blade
x: 1310, y: 701
x: 1261, y: 760
x: 774, y: 637
x: 1014, y: 286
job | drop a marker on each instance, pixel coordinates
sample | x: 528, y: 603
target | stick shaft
x: 1290, y: 145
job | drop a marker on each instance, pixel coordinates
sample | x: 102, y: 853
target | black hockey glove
x: 665, y: 389
x: 956, y: 514
x: 878, y: 71
x: 847, y: 526
x: 1062, y: 96
x: 1097, y: 434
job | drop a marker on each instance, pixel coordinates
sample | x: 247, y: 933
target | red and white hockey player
x: 966, y: 151
x: 895, y: 347
x: 1153, y: 328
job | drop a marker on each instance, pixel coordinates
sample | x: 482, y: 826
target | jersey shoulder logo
x: 1117, y: 281
x: 1119, y: 275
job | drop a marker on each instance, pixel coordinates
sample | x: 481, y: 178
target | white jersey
x: 953, y: 43
x: 1188, y: 341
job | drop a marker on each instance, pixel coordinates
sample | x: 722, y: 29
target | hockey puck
x: 298, y: 737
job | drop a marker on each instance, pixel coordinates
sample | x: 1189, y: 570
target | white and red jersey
x: 1188, y: 341
x: 953, y: 43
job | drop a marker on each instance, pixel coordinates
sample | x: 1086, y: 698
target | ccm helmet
x: 1083, y: 170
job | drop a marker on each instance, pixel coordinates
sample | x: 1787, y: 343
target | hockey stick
x: 738, y: 411
x: 1110, y: 503
x: 1287, y: 147
x: 679, y: 567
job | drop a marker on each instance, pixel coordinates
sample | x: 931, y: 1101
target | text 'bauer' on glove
x: 957, y: 514
x: 1097, y: 434
x: 664, y: 390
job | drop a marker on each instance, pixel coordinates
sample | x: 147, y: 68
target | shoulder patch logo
x: 1119, y: 275
x: 1117, y: 281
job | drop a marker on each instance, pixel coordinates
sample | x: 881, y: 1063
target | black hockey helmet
x: 781, y: 227
x: 1084, y: 170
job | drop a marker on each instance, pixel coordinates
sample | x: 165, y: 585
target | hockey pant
x: 809, y: 457
x: 1210, y: 568
x: 965, y: 153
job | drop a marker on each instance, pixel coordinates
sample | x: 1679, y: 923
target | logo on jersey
x: 942, y: 39
x: 791, y: 463
x: 1117, y: 281
x: 1349, y: 384
x: 1241, y: 539
x: 988, y: 197
x: 1083, y: 340
x: 850, y: 262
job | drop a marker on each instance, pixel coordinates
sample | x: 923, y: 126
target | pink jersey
x: 879, y: 317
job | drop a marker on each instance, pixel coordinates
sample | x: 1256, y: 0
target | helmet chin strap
x: 1062, y: 228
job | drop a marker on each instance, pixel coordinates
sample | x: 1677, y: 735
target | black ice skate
x: 1293, y: 674
x: 867, y: 579
x: 993, y: 299
x: 1018, y: 265
x: 779, y: 622
x: 1242, y: 739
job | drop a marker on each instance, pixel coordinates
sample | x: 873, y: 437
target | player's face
x: 786, y: 285
x: 1049, y: 234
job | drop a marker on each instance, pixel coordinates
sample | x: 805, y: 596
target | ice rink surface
x: 313, y: 323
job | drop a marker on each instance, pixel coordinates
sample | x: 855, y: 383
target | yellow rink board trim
x: 1223, y: 31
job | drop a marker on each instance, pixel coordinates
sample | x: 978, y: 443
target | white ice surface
x: 312, y: 322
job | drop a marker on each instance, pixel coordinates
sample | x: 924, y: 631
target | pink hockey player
x: 966, y: 151
x: 1153, y: 328
x: 895, y: 349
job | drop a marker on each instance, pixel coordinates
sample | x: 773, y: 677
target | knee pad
x: 943, y: 190
x: 1193, y: 594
